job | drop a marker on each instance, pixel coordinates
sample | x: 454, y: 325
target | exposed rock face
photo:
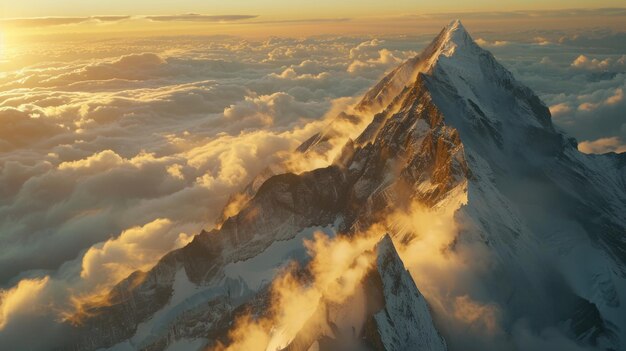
x: 450, y: 121
x: 393, y: 314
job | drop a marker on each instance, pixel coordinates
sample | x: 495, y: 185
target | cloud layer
x: 111, y: 157
x: 60, y: 21
x: 112, y: 154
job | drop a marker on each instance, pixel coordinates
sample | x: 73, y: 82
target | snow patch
x: 259, y: 270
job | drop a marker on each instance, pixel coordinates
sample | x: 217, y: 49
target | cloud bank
x: 112, y: 154
x: 34, y: 22
x: 110, y: 161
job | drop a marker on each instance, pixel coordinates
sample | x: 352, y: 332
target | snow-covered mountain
x: 451, y: 131
x: 396, y: 316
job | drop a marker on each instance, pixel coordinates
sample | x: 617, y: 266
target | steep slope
x: 388, y: 313
x: 450, y: 128
x: 405, y: 322
x: 537, y: 202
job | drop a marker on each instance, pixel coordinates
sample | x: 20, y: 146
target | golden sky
x: 64, y: 19
x: 125, y: 129
x: 282, y: 8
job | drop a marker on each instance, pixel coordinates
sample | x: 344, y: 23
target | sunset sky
x: 126, y: 126
x: 254, y: 18
x: 282, y: 8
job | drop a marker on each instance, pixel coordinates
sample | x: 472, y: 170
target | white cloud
x: 592, y: 108
x: 275, y: 109
x: 370, y: 58
x: 486, y: 43
x: 542, y: 41
x: 102, y: 152
x: 22, y: 299
x: 110, y: 162
x: 365, y: 49
x: 21, y: 128
x: 134, y: 249
x: 385, y: 59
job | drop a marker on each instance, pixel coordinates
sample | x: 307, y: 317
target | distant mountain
x: 450, y: 129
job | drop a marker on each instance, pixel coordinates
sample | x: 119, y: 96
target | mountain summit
x: 450, y: 131
x: 455, y: 41
x: 455, y: 59
x: 452, y: 42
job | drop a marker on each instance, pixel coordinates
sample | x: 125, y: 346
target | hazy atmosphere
x: 126, y: 127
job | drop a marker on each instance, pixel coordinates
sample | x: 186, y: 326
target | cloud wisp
x: 194, y: 17
x: 37, y: 22
x: 58, y: 21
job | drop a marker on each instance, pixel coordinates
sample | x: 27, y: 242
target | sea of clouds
x: 114, y: 152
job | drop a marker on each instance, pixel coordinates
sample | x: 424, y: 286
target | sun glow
x: 127, y: 129
x: 2, y: 46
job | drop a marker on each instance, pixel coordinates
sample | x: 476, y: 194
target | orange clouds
x: 338, y: 266
x: 23, y: 299
x: 113, y: 159
x: 602, y: 145
x: 617, y: 97
x: 337, y: 269
x: 584, y: 62
x: 559, y: 109
x: 134, y: 249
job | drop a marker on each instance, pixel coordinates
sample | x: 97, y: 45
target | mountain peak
x: 385, y: 245
x: 453, y: 48
x: 455, y: 26
x: 453, y: 37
